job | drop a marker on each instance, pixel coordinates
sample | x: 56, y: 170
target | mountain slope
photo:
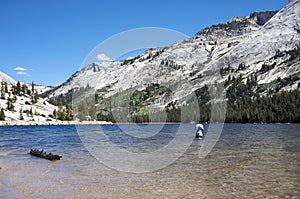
x: 6, y: 78
x: 20, y: 104
x: 263, y: 47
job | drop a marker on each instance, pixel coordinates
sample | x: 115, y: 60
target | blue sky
x: 46, y: 41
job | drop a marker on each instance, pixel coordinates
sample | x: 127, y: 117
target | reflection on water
x: 248, y: 161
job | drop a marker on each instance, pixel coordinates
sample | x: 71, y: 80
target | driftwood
x: 42, y: 154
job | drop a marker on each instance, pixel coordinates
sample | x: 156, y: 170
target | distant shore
x: 49, y: 123
x: 45, y: 123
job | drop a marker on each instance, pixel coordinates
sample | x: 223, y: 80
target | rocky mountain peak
x: 236, y: 26
x: 262, y: 17
x: 290, y: 1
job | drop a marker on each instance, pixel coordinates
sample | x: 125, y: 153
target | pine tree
x: 10, y: 104
x: 14, y: 98
x: 35, y: 97
x: 24, y: 89
x: 30, y: 112
x: 18, y: 88
x: 2, y: 90
x: 54, y: 114
x: 2, y: 115
x: 21, y: 115
x: 5, y: 87
x: 32, y: 87
x: 69, y: 115
x: 32, y: 93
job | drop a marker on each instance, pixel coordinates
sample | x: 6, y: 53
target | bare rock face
x: 236, y: 26
x: 262, y: 17
x: 240, y: 47
x: 291, y: 1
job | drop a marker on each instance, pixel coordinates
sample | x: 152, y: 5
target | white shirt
x: 199, y: 128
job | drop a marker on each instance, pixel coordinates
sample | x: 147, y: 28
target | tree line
x: 246, y: 102
x: 246, y: 106
x: 282, y: 107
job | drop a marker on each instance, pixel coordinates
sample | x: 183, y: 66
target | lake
x: 247, y: 161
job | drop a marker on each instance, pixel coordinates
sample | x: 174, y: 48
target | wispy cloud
x: 103, y: 57
x: 21, y: 73
x: 21, y: 70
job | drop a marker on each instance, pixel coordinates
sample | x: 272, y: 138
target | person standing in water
x: 199, y: 130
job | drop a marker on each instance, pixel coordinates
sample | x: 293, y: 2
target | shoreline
x: 50, y: 123
x: 61, y: 123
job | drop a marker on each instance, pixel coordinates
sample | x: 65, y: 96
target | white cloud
x: 20, y: 69
x: 103, y: 57
x: 21, y: 73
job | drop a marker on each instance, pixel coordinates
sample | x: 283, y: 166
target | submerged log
x: 42, y: 154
